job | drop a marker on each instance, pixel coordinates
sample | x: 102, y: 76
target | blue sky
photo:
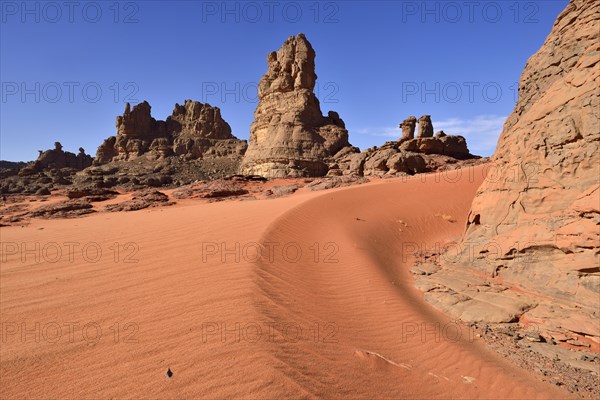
x: 67, y: 69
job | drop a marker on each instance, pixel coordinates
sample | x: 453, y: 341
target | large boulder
x: 290, y: 137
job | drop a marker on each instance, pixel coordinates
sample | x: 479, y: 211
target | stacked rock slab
x: 194, y: 130
x: 289, y: 136
x: 534, y: 223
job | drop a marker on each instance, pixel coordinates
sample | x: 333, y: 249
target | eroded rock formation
x: 52, y: 169
x: 405, y: 156
x: 194, y: 130
x: 289, y: 136
x: 534, y: 223
x: 408, y: 127
x: 425, y: 127
x: 57, y: 158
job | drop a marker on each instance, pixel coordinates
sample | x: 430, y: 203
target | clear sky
x: 68, y: 67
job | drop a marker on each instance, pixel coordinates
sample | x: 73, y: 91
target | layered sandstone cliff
x: 535, y: 222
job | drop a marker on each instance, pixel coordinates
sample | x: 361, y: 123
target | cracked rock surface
x: 531, y: 246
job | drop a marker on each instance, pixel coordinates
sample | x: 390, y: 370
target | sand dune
x: 315, y: 301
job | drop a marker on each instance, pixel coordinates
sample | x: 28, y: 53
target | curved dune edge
x: 388, y: 342
x: 180, y: 307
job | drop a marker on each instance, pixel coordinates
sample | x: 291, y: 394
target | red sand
x: 366, y: 332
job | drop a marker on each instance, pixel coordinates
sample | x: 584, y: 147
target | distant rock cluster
x: 57, y: 158
x: 289, y: 138
x: 194, y: 130
x: 405, y: 156
x: 52, y: 168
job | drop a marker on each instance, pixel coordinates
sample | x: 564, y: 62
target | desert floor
x: 307, y: 296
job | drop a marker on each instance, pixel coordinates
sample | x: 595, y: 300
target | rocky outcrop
x: 136, y: 130
x: 138, y: 123
x: 141, y: 200
x: 425, y: 127
x: 57, y: 158
x: 335, y: 182
x: 91, y: 194
x: 12, y: 165
x: 197, y: 120
x: 194, y: 130
x: 145, y: 172
x: 289, y: 136
x: 406, y: 156
x: 449, y: 145
x: 64, y: 209
x: 408, y: 127
x: 198, y: 130
x: 217, y: 189
x: 534, y: 223
x: 52, y: 169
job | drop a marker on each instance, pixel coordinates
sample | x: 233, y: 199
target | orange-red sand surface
x: 307, y: 296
